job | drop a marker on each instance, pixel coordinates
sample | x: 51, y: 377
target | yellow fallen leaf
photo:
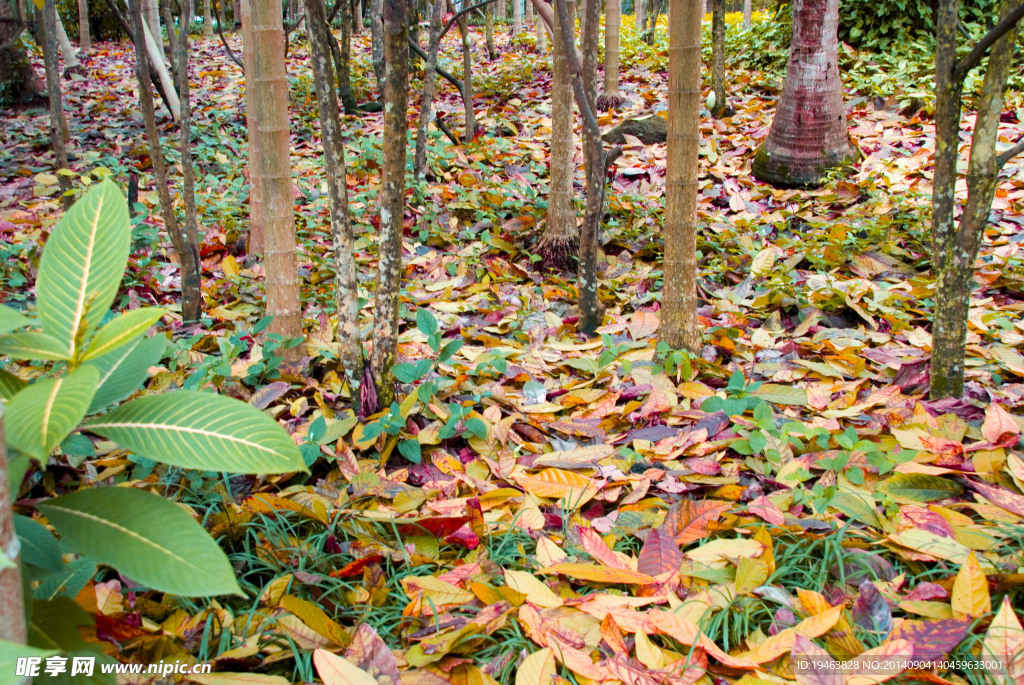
x: 537, y: 669
x: 535, y: 590
x: 334, y: 670
x: 970, y: 597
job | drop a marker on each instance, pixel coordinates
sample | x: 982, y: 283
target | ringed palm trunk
x: 255, y: 242
x: 611, y: 98
x: 679, y: 326
x: 747, y: 13
x: 84, y: 40
x: 809, y: 134
x: 207, y: 19
x: 528, y: 12
x: 560, y: 240
x: 270, y: 97
x: 517, y: 17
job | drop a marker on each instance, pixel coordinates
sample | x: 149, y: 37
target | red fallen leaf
x: 764, y: 508
x: 354, y: 568
x: 999, y: 428
x: 927, y: 591
x: 812, y: 665
x: 441, y: 526
x: 117, y: 629
x: 932, y: 640
x: 690, y: 520
x: 463, y: 536
x: 659, y: 555
x: 369, y: 652
x: 1000, y: 497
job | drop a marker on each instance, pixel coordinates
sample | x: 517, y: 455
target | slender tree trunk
x: 191, y: 297
x: 808, y: 134
x: 653, y: 9
x: 207, y: 19
x: 357, y: 18
x: 590, y: 27
x: 84, y: 41
x: 560, y: 240
x: 488, y: 13
x: 640, y: 16
x: 542, y: 36
x: 156, y: 62
x: 501, y: 12
x: 955, y: 252
x: 222, y: 15
x: 679, y: 327
x: 58, y: 126
x: 429, y: 83
x: 256, y: 220
x: 151, y: 13
x: 191, y: 276
x: 612, y: 97
x: 467, y: 78
x: 377, y: 43
x: 346, y: 290
x: 747, y: 14
x: 270, y: 98
x: 528, y: 10
x: 721, y: 108
x: 392, y: 204
x: 12, y: 606
x: 237, y: 12
x: 67, y: 50
x: 341, y: 51
x: 517, y: 17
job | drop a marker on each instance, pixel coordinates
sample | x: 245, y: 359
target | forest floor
x: 583, y: 504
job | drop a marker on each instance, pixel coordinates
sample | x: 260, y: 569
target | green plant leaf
x: 11, y: 319
x: 782, y: 394
x: 147, y: 538
x: 122, y: 330
x: 10, y: 385
x: 425, y: 322
x: 409, y: 372
x: 201, y: 430
x: 43, y: 414
x: 83, y: 263
x: 33, y: 346
x: 38, y: 546
x: 919, y: 487
x: 124, y: 370
x: 10, y: 652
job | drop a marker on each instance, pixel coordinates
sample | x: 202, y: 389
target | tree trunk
x: 612, y: 97
x: 560, y: 241
x: 188, y: 254
x: 222, y: 15
x: 392, y: 204
x: 747, y: 13
x: 590, y: 28
x: 67, y: 50
x: 955, y: 252
x: 12, y: 605
x: 191, y: 275
x: 679, y: 327
x: 528, y: 12
x: 501, y: 12
x: 341, y: 51
x: 640, y: 16
x: 19, y: 83
x: 156, y: 62
x: 256, y: 221
x: 237, y: 12
x: 58, y: 127
x: 357, y: 18
x: 517, y: 17
x: 151, y: 14
x: 721, y: 108
x: 207, y: 19
x: 542, y: 36
x: 429, y: 83
x: 488, y: 12
x: 346, y: 289
x: 84, y: 41
x: 270, y: 97
x: 809, y: 134
x: 377, y: 44
x: 467, y: 78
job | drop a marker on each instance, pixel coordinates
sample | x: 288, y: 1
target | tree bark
x: 191, y: 275
x: 488, y: 13
x: 429, y: 84
x: 151, y: 13
x: 84, y: 40
x: 640, y: 16
x: 590, y: 37
x: 256, y: 220
x: 957, y: 251
x: 58, y: 126
x: 542, y: 36
x: 501, y: 11
x: 207, y: 19
x: 528, y: 12
x: 392, y: 204
x: 270, y: 97
x: 341, y: 51
x: 809, y: 134
x: 156, y: 62
x: 12, y: 605
x: 346, y: 289
x: 357, y: 18
x: 517, y: 17
x: 467, y: 77
x: 377, y: 44
x: 560, y: 241
x: 747, y: 14
x: 612, y: 97
x: 19, y: 83
x: 67, y: 50
x: 721, y: 107
x: 679, y: 326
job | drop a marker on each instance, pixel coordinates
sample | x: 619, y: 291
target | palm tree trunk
x: 517, y: 17
x: 151, y: 15
x: 84, y: 41
x: 256, y: 221
x: 747, y: 13
x: 560, y: 241
x: 679, y: 327
x: 67, y: 50
x: 207, y: 19
x: 721, y: 108
x: 270, y: 97
x: 392, y: 203
x: 611, y: 98
x: 528, y: 12
x: 809, y: 134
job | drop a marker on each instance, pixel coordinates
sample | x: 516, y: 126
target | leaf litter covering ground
x: 579, y: 511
